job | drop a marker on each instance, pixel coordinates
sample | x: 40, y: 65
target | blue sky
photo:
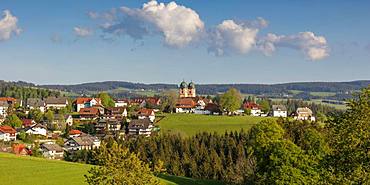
x: 228, y: 45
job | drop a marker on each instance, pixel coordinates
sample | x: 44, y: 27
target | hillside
x: 19, y: 170
x: 191, y: 124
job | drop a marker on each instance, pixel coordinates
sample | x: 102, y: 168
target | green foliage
x: 23, y: 93
x: 118, y: 166
x: 36, y: 115
x: 168, y: 101
x: 106, y: 100
x: 231, y: 100
x: 13, y: 121
x: 265, y: 105
x: 350, y: 139
x: 49, y: 116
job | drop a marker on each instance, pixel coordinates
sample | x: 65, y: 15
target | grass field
x: 323, y: 94
x: 20, y: 170
x: 190, y: 124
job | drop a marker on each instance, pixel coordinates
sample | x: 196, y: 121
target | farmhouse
x: 83, y: 102
x: 213, y: 109
x: 304, y: 113
x: 253, y: 107
x: 7, y: 133
x: 279, y: 111
x: 115, y: 113
x: 56, y: 103
x: 82, y: 142
x: 36, y: 103
x: 36, y: 129
x: 140, y: 127
x: 10, y: 100
x: 52, y: 151
x: 185, y: 105
x: 75, y: 133
x: 89, y: 113
x: 146, y: 114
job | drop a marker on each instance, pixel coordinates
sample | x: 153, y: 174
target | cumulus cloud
x: 230, y: 37
x: 8, y: 26
x: 82, y: 32
x: 178, y: 24
x: 313, y: 47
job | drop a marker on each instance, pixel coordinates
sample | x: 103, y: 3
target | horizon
x: 264, y: 42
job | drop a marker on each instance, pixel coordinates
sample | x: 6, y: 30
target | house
x: 121, y: 102
x: 152, y: 102
x: 56, y: 103
x: 304, y: 113
x: 137, y: 102
x: 253, y: 107
x: 8, y: 133
x: 146, y: 114
x: 68, y: 119
x: 107, y: 126
x: 279, y: 111
x: 89, y: 113
x: 36, y: 129
x: 115, y: 112
x: 201, y: 102
x: 3, y: 108
x: 10, y: 100
x: 28, y: 123
x: 36, y: 103
x: 185, y: 105
x: 52, y: 151
x: 84, y: 102
x: 213, y: 109
x: 138, y: 127
x: 82, y: 142
x: 75, y: 133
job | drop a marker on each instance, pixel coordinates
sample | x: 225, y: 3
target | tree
x: 36, y: 115
x: 118, y: 166
x: 106, y: 100
x: 231, y: 100
x: 169, y: 100
x: 13, y: 121
x: 49, y: 116
x: 265, y: 105
x: 350, y: 140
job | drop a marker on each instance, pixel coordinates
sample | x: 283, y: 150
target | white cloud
x: 230, y: 37
x: 82, y: 32
x: 178, y: 24
x: 313, y: 47
x: 8, y: 26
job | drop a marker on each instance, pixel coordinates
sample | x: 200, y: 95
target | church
x: 187, y: 90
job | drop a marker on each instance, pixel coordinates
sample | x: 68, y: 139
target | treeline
x: 212, y: 89
x: 23, y: 92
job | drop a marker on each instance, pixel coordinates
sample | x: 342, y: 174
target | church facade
x: 187, y: 90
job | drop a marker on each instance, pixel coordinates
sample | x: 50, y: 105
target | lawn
x: 19, y: 170
x: 190, y: 124
x: 323, y: 94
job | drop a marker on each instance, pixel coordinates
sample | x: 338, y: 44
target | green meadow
x: 20, y: 170
x: 191, y: 124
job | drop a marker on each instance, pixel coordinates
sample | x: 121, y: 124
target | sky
x: 77, y: 41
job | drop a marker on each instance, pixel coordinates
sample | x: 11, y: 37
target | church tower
x: 183, y: 90
x: 191, y: 90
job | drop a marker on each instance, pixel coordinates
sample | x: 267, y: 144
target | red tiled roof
x: 185, y: 103
x: 145, y: 112
x: 251, y: 105
x: 7, y: 129
x: 152, y: 100
x: 74, y: 132
x: 8, y: 99
x: 89, y: 111
x: 27, y: 122
x: 83, y: 100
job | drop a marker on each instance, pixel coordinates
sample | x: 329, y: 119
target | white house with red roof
x: 84, y: 102
x: 253, y: 107
x: 146, y: 114
x: 8, y: 133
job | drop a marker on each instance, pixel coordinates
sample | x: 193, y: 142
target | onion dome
x: 183, y: 85
x: 191, y: 85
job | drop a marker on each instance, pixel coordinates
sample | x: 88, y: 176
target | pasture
x: 191, y: 124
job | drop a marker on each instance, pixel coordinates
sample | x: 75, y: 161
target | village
x: 55, y: 126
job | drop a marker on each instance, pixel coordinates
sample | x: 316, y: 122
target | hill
x: 190, y: 124
x: 19, y: 170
